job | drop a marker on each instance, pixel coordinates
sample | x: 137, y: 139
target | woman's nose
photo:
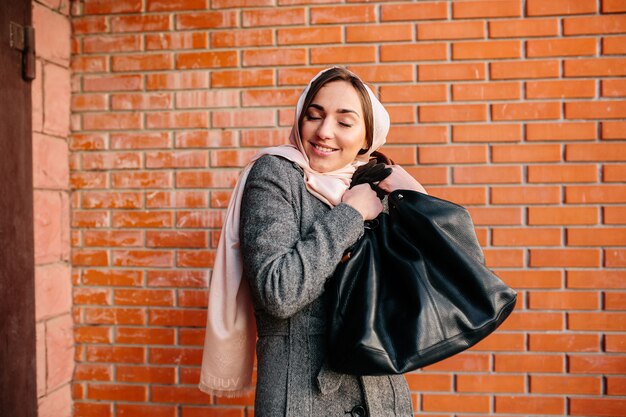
x: 325, y: 130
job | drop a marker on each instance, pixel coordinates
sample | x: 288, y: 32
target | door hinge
x: 22, y: 38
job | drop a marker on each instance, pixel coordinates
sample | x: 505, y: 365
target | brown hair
x: 342, y: 74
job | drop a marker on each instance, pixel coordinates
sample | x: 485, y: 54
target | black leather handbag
x: 414, y: 290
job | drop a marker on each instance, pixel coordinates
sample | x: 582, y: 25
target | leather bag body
x: 414, y: 290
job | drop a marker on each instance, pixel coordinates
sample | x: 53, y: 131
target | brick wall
x: 513, y: 108
x: 51, y: 95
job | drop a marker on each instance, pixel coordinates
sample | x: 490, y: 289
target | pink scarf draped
x: 229, y: 345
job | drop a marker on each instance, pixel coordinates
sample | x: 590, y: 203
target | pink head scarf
x: 229, y: 345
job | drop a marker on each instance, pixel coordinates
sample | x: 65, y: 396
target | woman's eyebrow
x: 321, y: 108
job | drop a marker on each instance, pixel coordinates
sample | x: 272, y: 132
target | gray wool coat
x: 291, y: 243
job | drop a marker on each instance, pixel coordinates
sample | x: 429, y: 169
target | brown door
x: 18, y: 391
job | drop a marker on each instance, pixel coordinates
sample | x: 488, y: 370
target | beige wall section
x: 51, y: 94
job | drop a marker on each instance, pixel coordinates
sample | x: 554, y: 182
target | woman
x: 297, y: 218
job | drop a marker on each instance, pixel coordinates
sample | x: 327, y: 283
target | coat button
x: 358, y: 411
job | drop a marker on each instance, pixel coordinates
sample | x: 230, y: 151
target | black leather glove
x: 371, y: 173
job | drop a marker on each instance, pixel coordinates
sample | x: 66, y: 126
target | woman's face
x: 333, y: 128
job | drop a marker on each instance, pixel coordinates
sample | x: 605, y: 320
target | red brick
x: 192, y: 298
x: 191, y: 279
x: 112, y: 354
x: 384, y: 72
x: 615, y: 343
x: 604, y: 152
x: 206, y: 20
x: 192, y: 337
x: 490, y: 383
x: 149, y: 374
x: 273, y: 17
x: 489, y: 8
x: 524, y: 69
x: 141, y: 410
x: 141, y: 336
x: 182, y: 159
x: 487, y: 175
x: 451, y: 72
x: 592, y: 25
x: 141, y: 101
x: 240, y: 38
x: 177, y: 239
x: 560, y: 7
x: 562, y: 173
x: 82, y: 64
x: 525, y: 153
x: 243, y: 118
x: 112, y: 277
x: 111, y: 238
x: 463, y: 362
x: 179, y: 317
x: 272, y: 57
x: 180, y: 119
x: 243, y: 78
x: 177, y: 81
x: 140, y: 23
x: 303, y: 36
x: 565, y: 258
x: 422, y: 11
x: 486, y: 50
x: 416, y: 134
x: 103, y: 315
x: 530, y: 405
x: 451, y: 403
x: 561, y: 47
x: 452, y: 113
x: 217, y: 59
x: 403, y: 155
x: 205, y: 179
x: 561, y: 89
x: 177, y: 41
x: 402, y: 114
x: 599, y: 364
x: 414, y: 93
x: 613, y: 88
x: 532, y: 279
x: 367, y: 33
x: 91, y: 24
x: 143, y: 297
x: 93, y: 372
x: 486, y: 91
x: 595, y: 194
x: 494, y: 132
x: 561, y: 131
x: 597, y: 406
x: 142, y: 219
x: 142, y: 258
x: 523, y: 28
x: 175, y: 356
x: 595, y: 67
x: 345, y: 14
x: 526, y: 111
x: 414, y: 52
x: 613, y: 6
x: 87, y: 141
x: 429, y: 382
x: 111, y: 83
x: 111, y: 121
x: 616, y: 386
x: 613, y: 130
x: 460, y: 195
x: 227, y: 4
x: 596, y: 110
x: 536, y: 363
x: 145, y: 62
x: 91, y: 218
x: 606, y: 236
x: 111, y: 7
x: 614, y: 215
x: 92, y: 409
x: 452, y: 154
x: 175, y: 5
x: 117, y: 392
x: 271, y: 97
x: 526, y: 237
x: 105, y: 199
x: 614, y: 45
x: 615, y: 258
x: 197, y: 259
x: 502, y: 258
x: 450, y: 30
x: 614, y: 301
x: 532, y: 321
x: 596, y: 279
x: 328, y: 55
x: 564, y: 301
x: 297, y: 76
x: 141, y: 180
x: 563, y: 342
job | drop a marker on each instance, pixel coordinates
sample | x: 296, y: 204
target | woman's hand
x: 399, y: 179
x: 364, y: 200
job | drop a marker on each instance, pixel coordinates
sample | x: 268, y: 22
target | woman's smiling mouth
x: 322, y: 149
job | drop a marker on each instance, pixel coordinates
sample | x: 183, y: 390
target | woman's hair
x: 342, y: 74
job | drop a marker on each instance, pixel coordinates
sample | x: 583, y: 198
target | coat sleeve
x: 286, y: 269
